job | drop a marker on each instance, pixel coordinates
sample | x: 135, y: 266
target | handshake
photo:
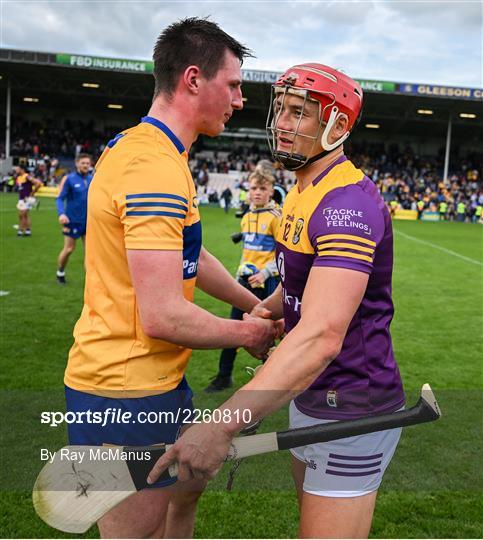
x: 263, y: 333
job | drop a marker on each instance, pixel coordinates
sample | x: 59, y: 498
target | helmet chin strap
x: 294, y: 162
x: 318, y: 156
x: 324, y: 142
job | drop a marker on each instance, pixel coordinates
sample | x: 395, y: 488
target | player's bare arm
x: 331, y: 297
x: 37, y: 184
x: 330, y: 300
x: 271, y: 307
x: 215, y: 280
x: 166, y: 314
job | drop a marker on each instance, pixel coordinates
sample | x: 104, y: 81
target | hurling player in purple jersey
x: 334, y: 257
x: 27, y: 187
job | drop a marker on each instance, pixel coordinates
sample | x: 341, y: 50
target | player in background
x: 257, y: 270
x: 144, y: 257
x: 72, y: 210
x: 28, y: 185
x: 334, y: 256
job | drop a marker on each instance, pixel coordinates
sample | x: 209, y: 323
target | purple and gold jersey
x: 25, y: 186
x: 341, y: 221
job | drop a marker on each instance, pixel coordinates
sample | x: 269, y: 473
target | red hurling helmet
x: 335, y: 93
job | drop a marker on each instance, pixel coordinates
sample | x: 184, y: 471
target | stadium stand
x: 402, y: 176
x: 420, y: 143
x: 405, y: 178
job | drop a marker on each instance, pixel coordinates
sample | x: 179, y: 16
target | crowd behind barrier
x: 411, y: 182
x: 35, y: 139
x: 406, y: 180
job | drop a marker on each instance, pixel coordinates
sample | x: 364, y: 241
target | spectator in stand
x: 420, y: 208
x: 443, y: 210
x: 243, y: 200
x: 398, y: 172
x: 477, y: 215
x: 212, y: 195
x: 227, y: 196
x: 461, y: 211
x: 203, y: 176
x: 8, y: 182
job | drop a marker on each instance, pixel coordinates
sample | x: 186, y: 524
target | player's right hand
x: 63, y: 219
x: 199, y: 452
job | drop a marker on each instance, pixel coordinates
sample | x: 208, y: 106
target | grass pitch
x: 434, y: 485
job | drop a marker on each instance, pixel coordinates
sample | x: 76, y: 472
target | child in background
x: 258, y: 270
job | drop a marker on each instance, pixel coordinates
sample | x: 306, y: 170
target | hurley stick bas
x: 83, y: 483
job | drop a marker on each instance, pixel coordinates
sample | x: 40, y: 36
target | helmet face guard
x: 296, y: 81
x: 290, y: 160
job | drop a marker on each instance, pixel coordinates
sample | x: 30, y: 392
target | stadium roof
x: 121, y: 65
x: 67, y: 81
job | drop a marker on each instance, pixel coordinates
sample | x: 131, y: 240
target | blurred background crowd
x: 406, y: 180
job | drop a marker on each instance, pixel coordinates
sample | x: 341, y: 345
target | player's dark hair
x: 191, y: 41
x: 82, y: 155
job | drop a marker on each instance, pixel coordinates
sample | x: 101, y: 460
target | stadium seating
x: 402, y: 176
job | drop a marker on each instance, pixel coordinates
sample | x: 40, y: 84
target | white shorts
x: 26, y: 204
x: 22, y: 205
x: 349, y: 467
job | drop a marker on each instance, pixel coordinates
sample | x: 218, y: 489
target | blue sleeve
x: 61, y: 197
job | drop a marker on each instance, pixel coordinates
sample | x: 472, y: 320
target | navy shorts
x: 74, y: 230
x: 153, y: 420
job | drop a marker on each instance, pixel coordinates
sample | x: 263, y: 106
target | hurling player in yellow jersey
x: 143, y: 259
x: 334, y: 257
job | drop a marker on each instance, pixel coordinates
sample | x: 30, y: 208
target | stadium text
x: 442, y: 91
x: 377, y: 86
x: 105, y: 63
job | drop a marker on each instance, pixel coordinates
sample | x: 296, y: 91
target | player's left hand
x: 200, y: 452
x: 257, y: 279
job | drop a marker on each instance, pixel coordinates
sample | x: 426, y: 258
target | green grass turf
x: 434, y: 485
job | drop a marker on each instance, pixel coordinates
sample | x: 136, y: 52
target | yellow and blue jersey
x: 259, y: 228
x: 142, y: 197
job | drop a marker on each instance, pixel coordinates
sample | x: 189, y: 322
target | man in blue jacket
x: 72, y: 210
